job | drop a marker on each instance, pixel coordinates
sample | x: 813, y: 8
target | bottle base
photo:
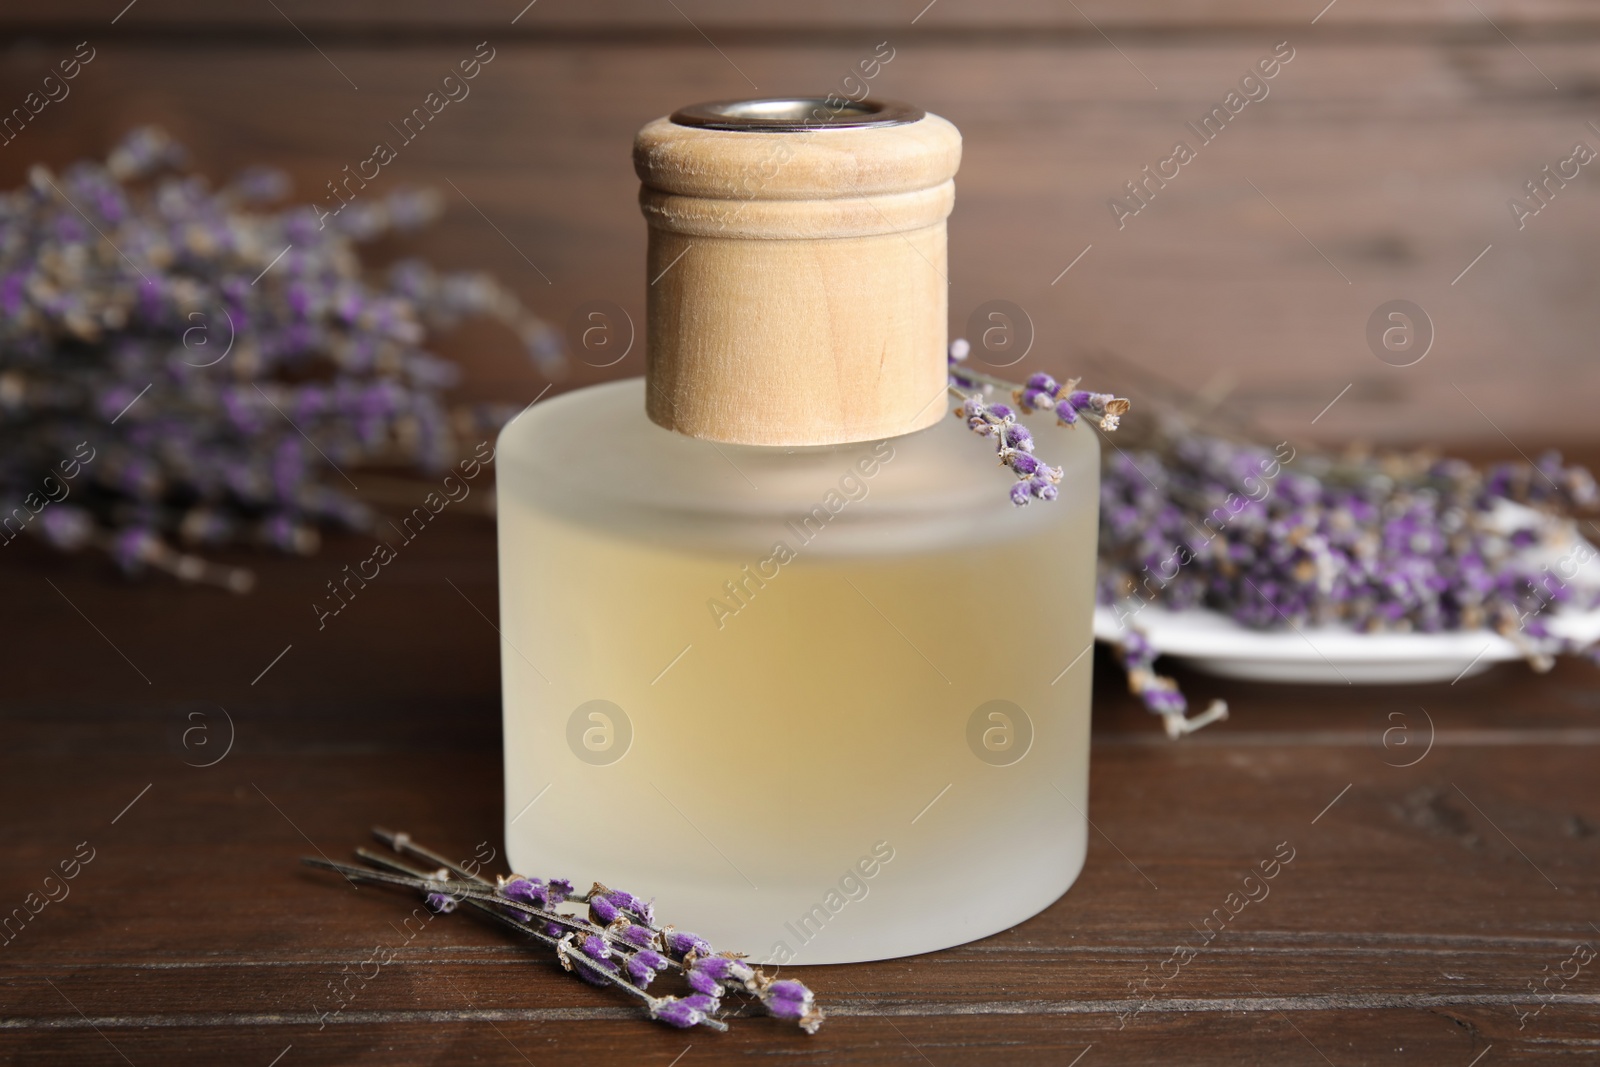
x: 860, y: 919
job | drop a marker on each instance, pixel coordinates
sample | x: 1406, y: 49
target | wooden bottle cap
x: 797, y: 273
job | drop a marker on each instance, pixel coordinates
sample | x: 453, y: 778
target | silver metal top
x: 795, y: 114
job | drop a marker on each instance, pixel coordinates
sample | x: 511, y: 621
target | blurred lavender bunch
x: 1393, y: 543
x: 200, y: 360
x: 1013, y: 442
x: 607, y: 937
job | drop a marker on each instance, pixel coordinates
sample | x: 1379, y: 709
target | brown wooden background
x: 1424, y: 899
x: 1391, y: 143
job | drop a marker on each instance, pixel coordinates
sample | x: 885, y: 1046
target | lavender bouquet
x: 1398, y: 543
x: 1407, y: 542
x: 183, y: 368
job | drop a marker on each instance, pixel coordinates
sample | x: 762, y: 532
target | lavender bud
x: 785, y: 1007
x: 702, y: 982
x: 642, y: 966
x: 680, y: 944
x: 527, y: 891
x: 602, y: 911
x: 791, y: 989
x: 683, y: 1012
x: 1033, y: 399
x: 642, y: 910
x: 440, y: 903
x: 675, y: 1012
x: 789, y: 999
x: 726, y: 969
x: 597, y: 972
x: 637, y: 936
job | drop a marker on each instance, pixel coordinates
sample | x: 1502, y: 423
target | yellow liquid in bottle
x: 871, y: 744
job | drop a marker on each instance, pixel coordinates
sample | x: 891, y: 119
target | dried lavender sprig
x: 1036, y: 480
x: 1041, y: 392
x: 479, y: 890
x: 662, y: 1008
x: 1159, y: 693
x: 1014, y: 446
x: 394, y: 878
x: 640, y: 965
x: 625, y: 921
x: 402, y: 843
x: 624, y: 941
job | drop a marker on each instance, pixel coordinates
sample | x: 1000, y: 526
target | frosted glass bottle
x: 810, y: 699
x: 826, y: 703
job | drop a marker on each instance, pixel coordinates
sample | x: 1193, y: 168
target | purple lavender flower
x: 680, y: 944
x: 643, y: 966
x: 638, y: 936
x: 614, y: 902
x: 725, y: 968
x: 621, y: 955
x: 789, y: 991
x: 129, y: 358
x: 684, y: 1012
x: 701, y: 982
x: 597, y: 972
x: 788, y: 999
x: 1014, y: 443
x: 709, y: 974
x: 1397, y: 543
x: 1016, y: 436
x: 602, y: 911
x: 528, y: 891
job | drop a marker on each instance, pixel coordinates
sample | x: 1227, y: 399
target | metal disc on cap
x: 794, y: 114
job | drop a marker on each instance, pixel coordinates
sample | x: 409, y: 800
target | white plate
x: 1338, y: 655
x: 1334, y: 655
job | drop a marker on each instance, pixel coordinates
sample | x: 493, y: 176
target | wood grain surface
x: 1421, y: 902
x: 1378, y: 167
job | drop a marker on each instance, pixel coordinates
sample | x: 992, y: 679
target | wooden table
x: 1421, y: 903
